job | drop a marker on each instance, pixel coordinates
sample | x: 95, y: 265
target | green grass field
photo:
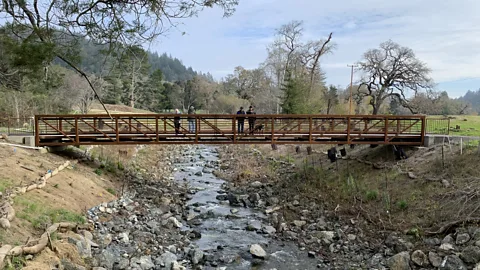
x: 469, y: 125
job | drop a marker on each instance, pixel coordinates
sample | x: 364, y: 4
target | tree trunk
x: 132, y: 88
x: 376, y: 108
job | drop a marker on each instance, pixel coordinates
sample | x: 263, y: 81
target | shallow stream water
x: 223, y: 227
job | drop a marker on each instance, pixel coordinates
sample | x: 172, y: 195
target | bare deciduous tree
x: 52, y: 22
x: 392, y: 71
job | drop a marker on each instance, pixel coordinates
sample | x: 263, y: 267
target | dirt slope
x: 65, y: 197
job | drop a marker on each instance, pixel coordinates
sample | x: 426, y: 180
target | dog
x: 257, y: 128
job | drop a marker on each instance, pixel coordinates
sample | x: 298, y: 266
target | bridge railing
x: 210, y: 128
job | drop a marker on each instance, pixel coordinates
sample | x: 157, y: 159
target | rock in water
x: 175, y: 222
x: 257, y: 251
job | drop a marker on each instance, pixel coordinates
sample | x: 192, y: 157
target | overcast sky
x: 444, y: 34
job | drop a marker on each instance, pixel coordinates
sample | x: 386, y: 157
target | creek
x: 223, y: 228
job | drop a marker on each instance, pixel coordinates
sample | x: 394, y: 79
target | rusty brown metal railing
x: 55, y: 130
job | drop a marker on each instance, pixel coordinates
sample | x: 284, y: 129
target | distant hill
x: 93, y: 61
x: 472, y: 98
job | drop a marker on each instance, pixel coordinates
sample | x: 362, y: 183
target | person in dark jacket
x: 251, y: 119
x: 241, y: 120
x: 191, y: 120
x: 176, y: 121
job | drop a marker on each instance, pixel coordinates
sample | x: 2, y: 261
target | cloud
x: 444, y: 34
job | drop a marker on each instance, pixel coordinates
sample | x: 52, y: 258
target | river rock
x: 199, y: 173
x: 256, y: 184
x: 471, y: 254
x: 197, y: 256
x: 448, y: 239
x: 299, y: 223
x: 254, y: 197
x: 124, y: 237
x: 174, y: 222
x: 257, y: 251
x: 207, y: 170
x: 462, y: 238
x: 106, y: 259
x: 452, y: 262
x: 269, y: 230
x: 4, y: 223
x: 177, y: 266
x: 434, y: 259
x: 166, y: 260
x: 254, y: 225
x: 397, y: 244
x: 144, y: 262
x: 419, y: 258
x: 400, y: 261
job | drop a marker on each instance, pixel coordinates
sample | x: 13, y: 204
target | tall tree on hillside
x: 103, y: 22
x: 392, y: 71
x: 133, y: 69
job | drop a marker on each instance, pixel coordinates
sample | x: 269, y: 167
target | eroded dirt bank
x: 366, y: 211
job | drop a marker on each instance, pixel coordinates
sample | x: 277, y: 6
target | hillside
x: 472, y: 98
x: 172, y: 68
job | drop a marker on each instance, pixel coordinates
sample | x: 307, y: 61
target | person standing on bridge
x: 191, y: 120
x: 176, y: 121
x: 251, y: 119
x: 241, y: 120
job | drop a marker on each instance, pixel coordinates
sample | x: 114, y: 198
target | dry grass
x: 386, y: 198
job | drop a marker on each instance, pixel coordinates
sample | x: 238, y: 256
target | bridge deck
x: 55, y: 130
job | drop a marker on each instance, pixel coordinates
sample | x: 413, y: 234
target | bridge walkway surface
x: 91, y: 129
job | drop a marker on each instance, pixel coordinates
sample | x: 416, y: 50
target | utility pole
x: 351, y: 86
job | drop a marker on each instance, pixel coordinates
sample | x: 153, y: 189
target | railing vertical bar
x: 77, y: 138
x: 117, y: 134
x: 165, y: 125
x: 386, y: 129
x: 310, y: 129
x: 348, y: 129
x: 197, y: 127
x: 273, y: 130
x: 156, y: 128
x: 234, y: 130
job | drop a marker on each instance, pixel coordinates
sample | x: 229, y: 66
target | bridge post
x: 37, y: 131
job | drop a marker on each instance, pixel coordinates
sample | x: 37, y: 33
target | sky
x: 443, y: 34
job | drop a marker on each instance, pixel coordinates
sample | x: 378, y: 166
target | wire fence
x: 440, y: 126
x: 17, y: 126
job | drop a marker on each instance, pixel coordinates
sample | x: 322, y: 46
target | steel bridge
x: 100, y: 129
